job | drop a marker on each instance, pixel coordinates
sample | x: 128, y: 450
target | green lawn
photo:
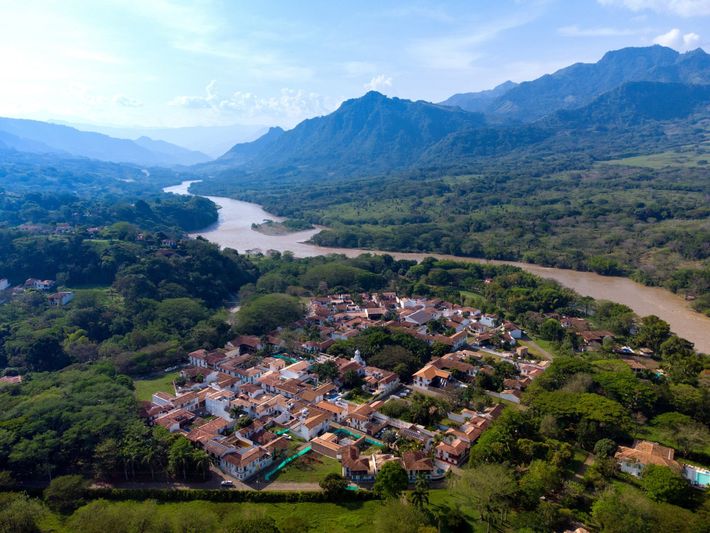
x: 309, y: 468
x: 146, y: 387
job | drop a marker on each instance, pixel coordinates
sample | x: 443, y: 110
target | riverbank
x: 234, y: 230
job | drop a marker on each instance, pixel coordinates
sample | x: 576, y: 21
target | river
x: 234, y: 230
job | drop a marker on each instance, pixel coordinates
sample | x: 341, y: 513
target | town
x: 245, y: 410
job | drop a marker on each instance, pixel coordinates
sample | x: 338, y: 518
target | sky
x: 169, y: 63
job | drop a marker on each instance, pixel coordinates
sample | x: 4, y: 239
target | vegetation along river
x: 234, y: 230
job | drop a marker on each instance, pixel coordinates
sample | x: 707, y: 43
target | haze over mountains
x: 63, y: 141
x: 375, y: 134
x: 210, y: 140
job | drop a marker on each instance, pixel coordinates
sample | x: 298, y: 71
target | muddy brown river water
x: 234, y: 230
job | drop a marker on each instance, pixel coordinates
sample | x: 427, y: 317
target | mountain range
x: 615, y: 98
x: 64, y: 141
x: 211, y: 140
x: 579, y: 84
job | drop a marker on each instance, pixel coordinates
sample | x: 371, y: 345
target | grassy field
x: 146, y: 387
x: 309, y: 468
x: 313, y: 517
x: 689, y: 158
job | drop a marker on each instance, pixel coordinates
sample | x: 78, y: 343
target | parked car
x: 227, y: 484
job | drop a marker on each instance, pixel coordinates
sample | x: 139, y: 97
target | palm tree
x: 420, y: 495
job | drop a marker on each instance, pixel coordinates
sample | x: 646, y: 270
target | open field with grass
x: 309, y: 468
x: 350, y: 517
x: 693, y: 158
x: 146, y: 387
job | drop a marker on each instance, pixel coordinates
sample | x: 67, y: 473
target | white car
x: 227, y: 484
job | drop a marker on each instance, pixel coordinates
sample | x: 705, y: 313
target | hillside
x: 579, y: 84
x: 44, y: 138
x: 479, y: 101
x: 373, y: 133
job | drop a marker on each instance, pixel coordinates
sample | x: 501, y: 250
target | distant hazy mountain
x: 368, y: 134
x: 579, y: 84
x: 481, y: 100
x: 42, y: 137
x: 211, y: 140
x: 245, y: 152
x: 176, y: 154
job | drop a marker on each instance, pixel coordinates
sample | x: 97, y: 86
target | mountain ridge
x: 43, y: 137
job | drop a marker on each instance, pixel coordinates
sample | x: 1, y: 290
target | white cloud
x: 287, y: 107
x: 678, y: 40
x: 197, y: 102
x: 683, y: 8
x: 126, y: 101
x: 576, y: 31
x: 379, y: 82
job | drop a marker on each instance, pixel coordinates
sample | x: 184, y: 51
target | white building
x: 4, y: 284
x: 246, y: 462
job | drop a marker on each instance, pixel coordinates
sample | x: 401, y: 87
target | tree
x: 621, y: 512
x: 19, y: 513
x: 540, y: 479
x: 664, y: 485
x: 265, y: 313
x: 107, y: 459
x: 680, y: 360
x: 419, y: 497
x: 604, y: 448
x: 552, y: 330
x: 399, y: 517
x: 326, y: 371
x: 333, y: 484
x: 488, y: 489
x: 352, y: 379
x: 652, y: 332
x: 65, y: 493
x: 391, y: 480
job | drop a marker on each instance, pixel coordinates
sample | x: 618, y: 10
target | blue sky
x: 173, y: 63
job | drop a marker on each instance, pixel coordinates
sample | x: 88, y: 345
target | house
x: 488, y: 320
x: 245, y: 463
x: 430, y: 376
x: 61, y: 298
x: 643, y: 453
x: 453, y: 452
x: 417, y: 463
x: 513, y: 330
x: 355, y: 466
x: 39, y: 284
x: 10, y: 380
x: 338, y: 411
x: 592, y: 338
x: 4, y: 284
x: 328, y: 444
x: 198, y: 358
x: 296, y: 370
x: 313, y: 425
x: 246, y: 344
x: 175, y: 420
